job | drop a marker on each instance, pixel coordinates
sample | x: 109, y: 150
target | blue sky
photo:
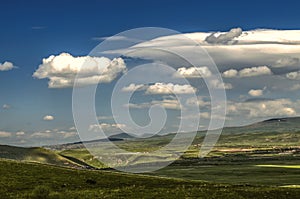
x: 33, y: 30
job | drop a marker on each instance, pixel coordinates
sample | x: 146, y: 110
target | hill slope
x: 24, y: 180
x: 34, y: 154
x: 291, y: 124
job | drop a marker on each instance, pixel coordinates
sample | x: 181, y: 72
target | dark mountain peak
x: 276, y: 120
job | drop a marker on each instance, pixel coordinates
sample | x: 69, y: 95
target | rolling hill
x: 35, y: 154
x: 279, y: 125
x: 25, y: 180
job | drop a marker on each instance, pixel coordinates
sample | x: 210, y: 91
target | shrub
x: 41, y: 192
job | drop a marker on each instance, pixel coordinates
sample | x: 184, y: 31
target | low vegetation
x: 31, y: 180
x: 256, y: 161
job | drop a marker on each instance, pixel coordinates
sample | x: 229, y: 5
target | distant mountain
x: 121, y: 136
x: 276, y: 125
x: 77, y: 145
x: 289, y: 124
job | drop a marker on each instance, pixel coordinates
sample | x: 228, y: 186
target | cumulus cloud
x: 42, y: 134
x: 230, y: 73
x: 48, y: 118
x: 199, y: 101
x: 62, y: 69
x: 6, y: 66
x: 161, y: 88
x: 256, y: 92
x: 295, y: 87
x: 217, y: 84
x: 255, y: 71
x: 262, y: 108
x: 293, y: 75
x: 287, y: 61
x: 4, y: 134
x: 170, y: 88
x: 106, y: 127
x: 19, y: 133
x: 54, y: 135
x: 6, y: 106
x: 194, y: 72
x: 165, y: 103
x: 67, y: 134
x: 102, y: 117
x: 168, y: 103
x: 248, y: 72
x: 224, y: 38
x: 133, y: 87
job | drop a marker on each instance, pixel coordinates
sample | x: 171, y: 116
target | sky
x: 39, y: 39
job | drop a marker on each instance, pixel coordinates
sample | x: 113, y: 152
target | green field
x: 31, y: 180
x: 246, y: 163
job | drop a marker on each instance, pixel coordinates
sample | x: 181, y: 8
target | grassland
x: 32, y: 180
x: 256, y: 161
x: 238, y: 158
x: 35, y: 154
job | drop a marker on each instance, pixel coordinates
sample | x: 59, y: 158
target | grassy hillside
x: 34, y: 154
x: 30, y: 180
x: 241, y: 155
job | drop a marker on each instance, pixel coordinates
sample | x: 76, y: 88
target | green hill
x: 30, y: 180
x: 34, y: 154
x: 279, y: 125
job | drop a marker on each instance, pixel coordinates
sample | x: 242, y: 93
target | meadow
x: 33, y: 180
x: 245, y: 163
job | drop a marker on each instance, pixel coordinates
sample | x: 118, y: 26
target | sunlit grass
x: 279, y: 166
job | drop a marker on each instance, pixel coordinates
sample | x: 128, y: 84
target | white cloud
x: 217, y: 84
x: 256, y: 92
x: 6, y: 106
x: 4, y: 134
x: 55, y: 134
x: 224, y: 38
x: 48, y: 118
x: 255, y: 47
x: 199, y: 101
x: 161, y: 88
x: 168, y: 103
x: 205, y: 115
x: 262, y: 108
x: 6, y: 66
x: 255, y: 71
x: 170, y: 88
x: 295, y: 87
x: 19, y: 133
x: 116, y: 38
x: 230, y: 73
x: 248, y: 72
x: 73, y: 128
x: 193, y: 72
x: 293, y: 75
x: 165, y: 103
x: 287, y: 61
x: 67, y: 134
x: 106, y: 127
x: 133, y: 87
x: 102, y: 117
x: 113, y: 38
x: 62, y: 69
x: 42, y: 134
